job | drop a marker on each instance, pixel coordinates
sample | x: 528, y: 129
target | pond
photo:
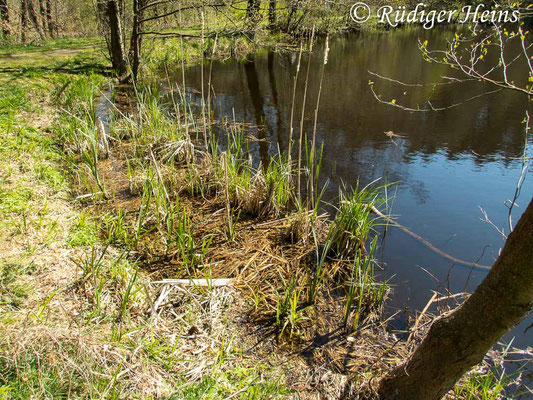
x: 445, y: 165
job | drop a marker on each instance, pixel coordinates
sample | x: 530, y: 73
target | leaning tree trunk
x: 459, y: 340
x: 4, y: 18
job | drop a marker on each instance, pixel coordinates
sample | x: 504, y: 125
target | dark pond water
x: 446, y: 165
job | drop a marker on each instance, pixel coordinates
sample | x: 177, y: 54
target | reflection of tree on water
x: 265, y: 88
x: 274, y: 90
x: 258, y: 104
x: 352, y: 123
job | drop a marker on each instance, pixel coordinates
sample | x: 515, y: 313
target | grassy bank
x: 146, y: 259
x: 87, y: 236
x: 73, y: 307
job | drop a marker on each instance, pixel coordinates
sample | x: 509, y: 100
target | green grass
x: 354, y: 220
x: 491, y: 381
x: 365, y: 296
x: 84, y: 232
x: 241, y: 382
x: 12, y: 291
x: 290, y: 314
x: 33, y: 376
x: 28, y: 170
x: 40, y: 69
x: 51, y: 44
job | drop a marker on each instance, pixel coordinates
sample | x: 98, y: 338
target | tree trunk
x: 42, y: 12
x: 4, y: 18
x: 136, y: 37
x: 459, y: 340
x: 23, y: 20
x: 272, y: 15
x: 34, y: 19
x: 253, y: 14
x: 293, y: 10
x: 49, y: 20
x: 115, y: 44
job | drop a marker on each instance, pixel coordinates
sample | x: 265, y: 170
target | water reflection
x: 446, y: 164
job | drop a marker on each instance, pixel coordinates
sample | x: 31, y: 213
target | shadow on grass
x: 66, y: 68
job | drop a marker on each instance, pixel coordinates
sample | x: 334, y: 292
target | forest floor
x: 79, y: 319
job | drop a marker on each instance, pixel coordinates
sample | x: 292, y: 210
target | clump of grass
x: 91, y: 265
x: 363, y: 295
x: 353, y: 221
x: 232, y: 168
x: 231, y: 225
x: 290, y: 312
x: 91, y: 160
x: 12, y: 292
x: 78, y: 128
x: 116, y: 229
x: 270, y: 192
x: 84, y: 232
x: 192, y: 252
x: 110, y: 282
x: 257, y: 191
x: 146, y: 198
x: 491, y: 381
x: 152, y: 125
x: 317, y: 276
x: 298, y: 227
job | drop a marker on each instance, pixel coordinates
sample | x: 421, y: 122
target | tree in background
x: 23, y: 20
x: 49, y: 19
x: 29, y: 20
x: 4, y: 18
x: 36, y: 21
x: 253, y: 14
x: 272, y: 4
x: 110, y: 20
x: 136, y: 36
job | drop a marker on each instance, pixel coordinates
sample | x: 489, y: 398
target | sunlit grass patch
x: 247, y: 382
x: 16, y: 200
x: 84, y: 232
x: 51, y: 44
x: 13, y: 99
x: 491, y: 379
x: 13, y: 292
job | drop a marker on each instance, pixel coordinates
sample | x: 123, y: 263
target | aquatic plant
x: 354, y: 219
x: 364, y: 294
